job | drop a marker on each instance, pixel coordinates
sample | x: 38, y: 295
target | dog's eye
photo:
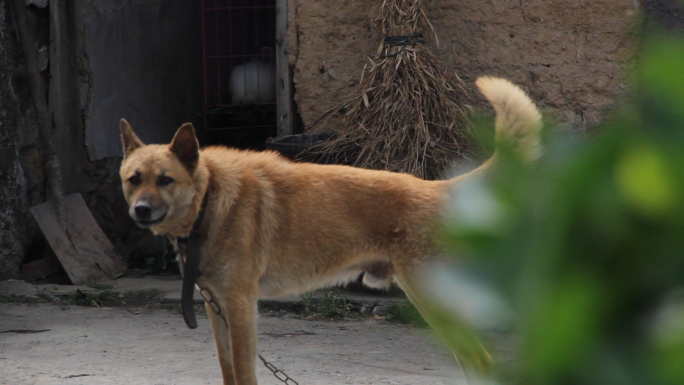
x: 164, y: 180
x: 134, y: 180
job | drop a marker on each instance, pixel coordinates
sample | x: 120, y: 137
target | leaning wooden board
x: 82, y: 248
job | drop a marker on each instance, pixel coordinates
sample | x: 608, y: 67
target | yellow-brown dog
x: 273, y: 227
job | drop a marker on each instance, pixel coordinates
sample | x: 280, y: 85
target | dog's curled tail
x: 518, y: 122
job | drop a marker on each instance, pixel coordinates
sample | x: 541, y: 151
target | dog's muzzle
x: 145, y: 215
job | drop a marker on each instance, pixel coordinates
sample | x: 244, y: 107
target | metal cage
x: 239, y: 41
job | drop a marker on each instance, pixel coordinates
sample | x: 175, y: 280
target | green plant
x: 328, y: 306
x: 406, y: 313
x: 94, y: 299
x: 159, y: 258
x: 585, y: 253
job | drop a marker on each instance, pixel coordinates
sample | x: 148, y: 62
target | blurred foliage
x: 586, y: 249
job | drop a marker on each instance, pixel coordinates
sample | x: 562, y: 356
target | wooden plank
x: 284, y: 103
x: 84, y: 251
x: 91, y: 242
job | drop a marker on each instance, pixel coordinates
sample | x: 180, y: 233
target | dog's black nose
x: 143, y: 210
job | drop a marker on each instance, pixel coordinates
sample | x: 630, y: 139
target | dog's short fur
x: 272, y: 227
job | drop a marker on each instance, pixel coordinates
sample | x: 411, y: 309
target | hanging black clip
x: 403, y: 42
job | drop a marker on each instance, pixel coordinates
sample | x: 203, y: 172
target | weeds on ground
x: 406, y: 313
x: 328, y: 306
x: 159, y: 260
x: 92, y: 299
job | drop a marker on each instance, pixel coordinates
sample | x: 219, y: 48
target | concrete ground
x: 145, y: 341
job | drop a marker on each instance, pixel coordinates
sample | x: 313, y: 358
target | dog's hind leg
x: 222, y: 339
x: 469, y: 352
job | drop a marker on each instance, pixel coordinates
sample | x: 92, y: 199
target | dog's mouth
x: 149, y: 222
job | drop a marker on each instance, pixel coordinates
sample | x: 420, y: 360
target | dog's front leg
x: 242, y: 319
x: 233, y: 317
x: 222, y: 339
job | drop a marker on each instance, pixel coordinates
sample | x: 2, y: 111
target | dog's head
x: 158, y: 179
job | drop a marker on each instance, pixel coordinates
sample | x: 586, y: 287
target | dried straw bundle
x: 409, y: 112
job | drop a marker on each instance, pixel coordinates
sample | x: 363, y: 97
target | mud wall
x: 573, y: 56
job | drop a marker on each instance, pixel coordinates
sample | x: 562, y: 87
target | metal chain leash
x: 279, y: 374
x: 209, y: 299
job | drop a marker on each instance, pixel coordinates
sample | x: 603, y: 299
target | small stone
x: 366, y: 310
x: 380, y: 311
x: 46, y: 295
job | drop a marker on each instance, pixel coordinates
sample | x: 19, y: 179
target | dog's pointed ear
x: 186, y: 147
x: 129, y: 139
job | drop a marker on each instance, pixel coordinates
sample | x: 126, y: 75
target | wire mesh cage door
x: 238, y: 38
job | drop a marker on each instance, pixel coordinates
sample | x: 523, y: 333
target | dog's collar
x: 190, y: 266
x: 198, y: 221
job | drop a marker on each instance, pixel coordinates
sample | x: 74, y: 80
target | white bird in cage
x: 253, y: 82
